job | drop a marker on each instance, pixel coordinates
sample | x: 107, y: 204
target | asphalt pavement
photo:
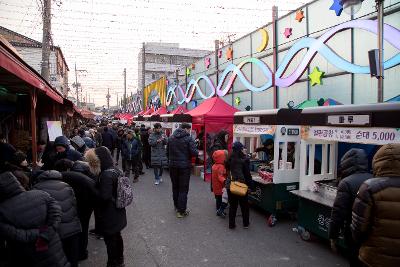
x: 155, y: 237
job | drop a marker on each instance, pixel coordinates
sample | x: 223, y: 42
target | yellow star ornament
x: 316, y: 76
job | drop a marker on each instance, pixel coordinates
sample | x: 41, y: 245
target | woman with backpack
x: 109, y: 219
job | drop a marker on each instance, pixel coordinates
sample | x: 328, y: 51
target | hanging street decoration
x: 207, y: 62
x: 337, y: 7
x: 193, y: 66
x: 229, y: 53
x: 299, y: 15
x: 282, y: 77
x: 288, y: 32
x: 265, y: 39
x: 188, y: 71
x: 220, y: 53
x: 237, y: 101
x: 316, y: 76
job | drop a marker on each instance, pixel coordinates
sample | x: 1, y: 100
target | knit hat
x: 77, y: 140
x: 237, y: 146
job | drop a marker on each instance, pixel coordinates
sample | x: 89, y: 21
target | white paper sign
x: 54, y: 129
x: 378, y: 136
x: 253, y: 129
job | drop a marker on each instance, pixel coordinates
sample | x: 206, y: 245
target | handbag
x: 238, y: 188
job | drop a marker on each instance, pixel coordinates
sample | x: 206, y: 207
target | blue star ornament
x: 337, y: 7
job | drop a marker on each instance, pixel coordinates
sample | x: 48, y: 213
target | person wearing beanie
x: 61, y: 145
x: 238, y: 169
x: 109, y: 220
x: 79, y: 144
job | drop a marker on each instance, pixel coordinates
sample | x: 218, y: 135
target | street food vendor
x: 268, y: 149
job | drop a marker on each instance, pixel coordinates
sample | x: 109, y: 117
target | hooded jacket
x: 158, y: 150
x: 51, y: 182
x: 376, y: 221
x: 68, y: 153
x: 181, y: 149
x: 130, y: 149
x: 22, y: 213
x: 354, y: 168
x: 108, y: 218
x: 218, y: 171
x: 238, y: 168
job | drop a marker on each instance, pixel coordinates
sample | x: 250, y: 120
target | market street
x: 155, y: 237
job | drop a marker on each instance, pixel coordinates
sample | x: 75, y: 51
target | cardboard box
x: 197, y: 169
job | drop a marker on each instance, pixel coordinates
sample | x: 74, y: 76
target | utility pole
x: 77, y: 85
x: 45, y: 71
x: 108, y: 101
x: 124, y: 89
x: 118, y: 101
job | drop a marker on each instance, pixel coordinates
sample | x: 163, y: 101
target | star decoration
x: 299, y: 15
x: 316, y: 76
x: 188, y: 72
x: 337, y: 7
x: 237, y: 101
x: 288, y: 32
x: 220, y: 53
x: 193, y: 66
x: 229, y: 53
x: 207, y: 62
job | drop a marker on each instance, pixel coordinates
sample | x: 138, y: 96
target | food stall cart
x: 171, y: 122
x: 274, y: 182
x: 323, y: 130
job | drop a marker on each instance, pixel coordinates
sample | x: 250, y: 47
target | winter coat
x: 98, y: 138
x: 181, y: 149
x: 84, y: 190
x: 83, y: 167
x: 354, y: 168
x: 120, y: 141
x: 376, y: 221
x: 158, y: 149
x: 51, y: 182
x: 22, y: 213
x: 108, y: 218
x: 146, y: 148
x: 131, y: 149
x: 68, y: 153
x: 238, y: 169
x: 108, y: 140
x: 218, y: 171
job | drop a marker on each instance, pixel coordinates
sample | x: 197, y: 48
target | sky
x: 103, y: 37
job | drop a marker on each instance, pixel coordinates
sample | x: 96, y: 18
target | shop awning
x: 179, y: 110
x: 213, y: 110
x: 13, y: 64
x: 160, y: 111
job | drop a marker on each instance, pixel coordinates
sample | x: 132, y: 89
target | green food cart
x: 281, y: 125
x: 321, y: 131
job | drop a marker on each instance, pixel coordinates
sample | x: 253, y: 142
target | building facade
x: 156, y: 60
x: 31, y: 52
x: 314, y: 52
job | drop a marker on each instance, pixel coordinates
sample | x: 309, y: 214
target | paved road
x: 155, y: 237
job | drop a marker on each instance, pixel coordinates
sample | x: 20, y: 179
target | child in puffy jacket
x: 218, y: 180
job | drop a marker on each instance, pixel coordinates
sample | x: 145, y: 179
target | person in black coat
x: 131, y: 148
x: 238, y: 169
x: 64, y: 151
x: 108, y: 139
x: 181, y: 148
x: 353, y: 169
x: 120, y: 141
x: 70, y: 227
x: 29, y: 222
x: 109, y: 219
x: 85, y: 192
x: 146, y: 148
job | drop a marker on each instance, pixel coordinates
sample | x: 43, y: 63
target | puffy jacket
x: 107, y: 139
x: 181, y: 149
x: 354, y: 168
x: 83, y: 167
x: 218, y: 171
x: 238, y: 168
x: 108, y: 218
x: 158, y: 150
x: 131, y: 149
x: 376, y: 221
x: 22, y: 213
x: 51, y: 182
x: 68, y: 153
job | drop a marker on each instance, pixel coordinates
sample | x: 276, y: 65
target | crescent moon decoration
x: 313, y: 46
x: 265, y: 39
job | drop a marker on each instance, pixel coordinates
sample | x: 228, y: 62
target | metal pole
x: 125, y: 89
x: 379, y: 7
x: 76, y: 86
x: 275, y: 51
x: 46, y: 39
x: 216, y: 62
x: 33, y: 95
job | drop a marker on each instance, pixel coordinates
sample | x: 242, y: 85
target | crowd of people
x: 46, y: 206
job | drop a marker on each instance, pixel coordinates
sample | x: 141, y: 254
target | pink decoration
x: 207, y: 62
x: 288, y: 32
x: 219, y: 53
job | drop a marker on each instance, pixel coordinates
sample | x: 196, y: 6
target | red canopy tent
x: 211, y: 117
x: 160, y: 111
x: 148, y: 112
x: 179, y: 110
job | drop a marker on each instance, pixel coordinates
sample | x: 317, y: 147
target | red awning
x: 179, y: 110
x: 160, y: 111
x: 213, y: 110
x: 148, y: 112
x: 16, y: 66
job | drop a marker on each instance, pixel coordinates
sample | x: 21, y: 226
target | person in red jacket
x: 218, y: 179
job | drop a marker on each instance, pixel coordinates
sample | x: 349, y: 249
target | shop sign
x: 251, y: 120
x: 293, y: 131
x: 378, y: 136
x: 357, y: 120
x: 254, y: 129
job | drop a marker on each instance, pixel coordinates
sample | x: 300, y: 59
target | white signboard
x: 251, y: 120
x: 253, y: 129
x: 358, y: 120
x: 54, y: 129
x: 377, y: 136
